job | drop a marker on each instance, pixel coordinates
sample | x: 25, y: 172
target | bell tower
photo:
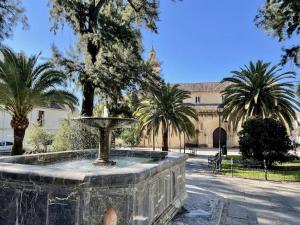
x: 153, y: 60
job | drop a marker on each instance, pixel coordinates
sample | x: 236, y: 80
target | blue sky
x: 198, y: 40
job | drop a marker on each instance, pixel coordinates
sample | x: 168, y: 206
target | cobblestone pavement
x: 257, y: 202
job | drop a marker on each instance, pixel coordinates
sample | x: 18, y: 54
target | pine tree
x: 11, y: 13
x: 281, y: 18
x: 109, y: 37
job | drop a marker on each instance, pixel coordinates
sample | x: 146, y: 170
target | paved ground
x: 249, y: 201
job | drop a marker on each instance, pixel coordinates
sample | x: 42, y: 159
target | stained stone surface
x: 142, y: 194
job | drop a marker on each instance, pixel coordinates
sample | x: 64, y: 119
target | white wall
x: 52, y: 119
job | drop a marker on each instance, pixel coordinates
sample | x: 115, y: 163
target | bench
x: 213, y: 162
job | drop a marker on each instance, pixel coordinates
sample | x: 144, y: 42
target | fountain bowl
x: 34, y: 191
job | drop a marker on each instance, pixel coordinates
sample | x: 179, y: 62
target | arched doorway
x: 216, y: 137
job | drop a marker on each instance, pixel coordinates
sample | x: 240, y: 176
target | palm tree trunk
x: 165, y: 139
x: 19, y: 134
x: 153, y: 140
x: 19, y: 124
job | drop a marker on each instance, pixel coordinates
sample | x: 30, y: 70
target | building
x: 206, y: 97
x: 295, y: 135
x: 154, y: 62
x: 47, y: 117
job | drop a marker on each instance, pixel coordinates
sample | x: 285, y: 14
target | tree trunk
x: 165, y: 140
x: 88, y: 86
x: 19, y: 124
x: 18, y: 142
x: 88, y: 99
x: 93, y: 50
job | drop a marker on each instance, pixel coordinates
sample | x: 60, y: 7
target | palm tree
x: 165, y: 108
x: 259, y: 90
x: 25, y: 84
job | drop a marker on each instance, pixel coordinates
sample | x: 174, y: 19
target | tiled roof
x: 205, y: 86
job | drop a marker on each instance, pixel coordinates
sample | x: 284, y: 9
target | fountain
x: 120, y: 187
x: 106, y: 125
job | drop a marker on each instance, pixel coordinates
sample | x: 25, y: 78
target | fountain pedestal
x: 104, y: 147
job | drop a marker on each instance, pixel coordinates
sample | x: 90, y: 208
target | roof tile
x: 205, y: 86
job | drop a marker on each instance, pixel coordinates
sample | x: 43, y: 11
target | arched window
x: 197, y: 100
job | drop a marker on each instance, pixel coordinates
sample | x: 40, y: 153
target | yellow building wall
x: 203, y: 137
x: 205, y: 126
x: 208, y: 97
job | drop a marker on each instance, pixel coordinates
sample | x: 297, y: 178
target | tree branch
x: 134, y: 7
x: 99, y: 6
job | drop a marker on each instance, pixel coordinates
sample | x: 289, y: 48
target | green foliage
x: 61, y: 141
x: 83, y: 137
x: 38, y: 137
x: 75, y: 136
x: 98, y: 110
x: 11, y: 13
x: 281, y: 18
x: 79, y: 14
x: 131, y: 136
x: 264, y: 139
x: 110, y: 40
x: 165, y: 108
x: 288, y: 171
x: 262, y: 91
x: 25, y: 84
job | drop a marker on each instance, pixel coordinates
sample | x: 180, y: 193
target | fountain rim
x: 58, y: 176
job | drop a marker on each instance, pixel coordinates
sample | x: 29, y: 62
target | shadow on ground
x: 267, y: 202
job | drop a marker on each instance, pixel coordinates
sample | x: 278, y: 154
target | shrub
x: 39, y: 137
x: 74, y: 136
x: 131, y: 136
x: 61, y: 140
x: 264, y: 139
x: 83, y: 136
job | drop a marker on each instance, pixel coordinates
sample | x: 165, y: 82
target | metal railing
x: 259, y: 173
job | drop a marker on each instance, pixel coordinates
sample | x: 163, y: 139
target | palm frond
x: 259, y: 90
x: 25, y: 84
x: 166, y: 108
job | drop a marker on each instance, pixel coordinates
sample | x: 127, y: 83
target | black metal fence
x: 253, y: 170
x: 262, y: 174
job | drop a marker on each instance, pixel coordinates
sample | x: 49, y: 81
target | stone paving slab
x: 271, y: 203
x: 206, y: 208
x: 236, y: 214
x: 201, y: 208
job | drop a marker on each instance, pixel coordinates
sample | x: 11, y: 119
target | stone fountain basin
x: 144, y: 193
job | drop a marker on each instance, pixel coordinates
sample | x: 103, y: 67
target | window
x: 41, y: 118
x: 197, y: 100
